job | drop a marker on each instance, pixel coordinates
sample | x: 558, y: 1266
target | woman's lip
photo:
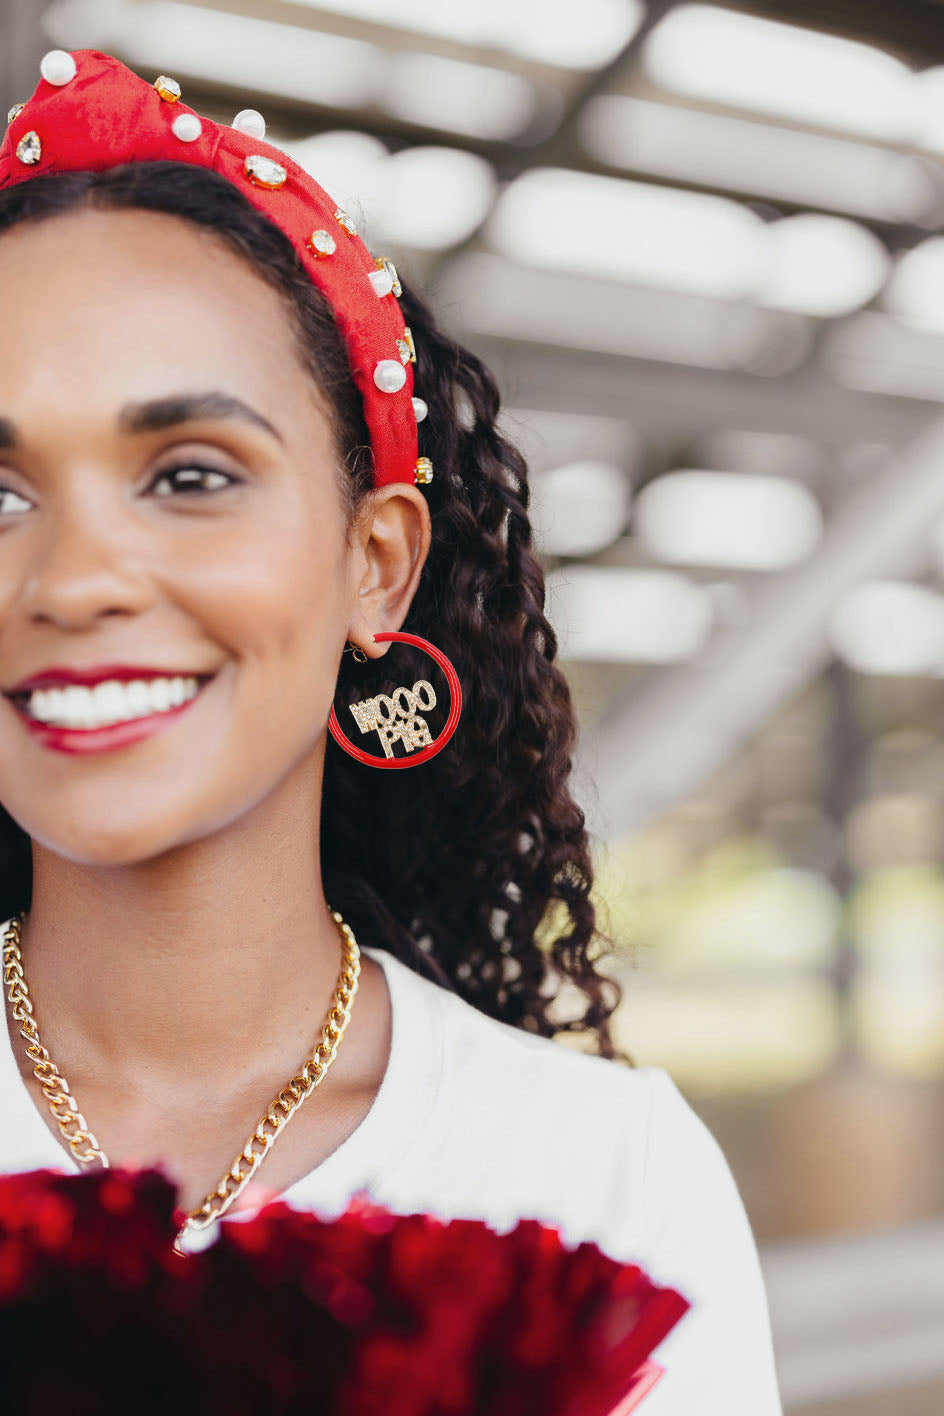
x: 95, y: 674
x: 105, y: 739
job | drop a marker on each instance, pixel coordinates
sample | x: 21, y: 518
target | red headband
x: 89, y: 112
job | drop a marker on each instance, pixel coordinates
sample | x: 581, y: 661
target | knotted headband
x: 90, y: 112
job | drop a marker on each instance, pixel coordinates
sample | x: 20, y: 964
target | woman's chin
x: 105, y: 842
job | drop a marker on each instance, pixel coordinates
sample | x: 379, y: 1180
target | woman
x: 198, y: 495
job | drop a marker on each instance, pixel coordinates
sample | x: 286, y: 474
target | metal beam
x: 681, y: 401
x: 652, y: 748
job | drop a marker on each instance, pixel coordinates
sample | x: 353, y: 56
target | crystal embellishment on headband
x: 29, y: 149
x: 15, y: 111
x: 169, y: 89
x: 322, y: 243
x: 406, y: 348
x: 264, y: 172
x: 344, y: 219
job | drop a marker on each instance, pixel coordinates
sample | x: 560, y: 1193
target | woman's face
x: 116, y: 550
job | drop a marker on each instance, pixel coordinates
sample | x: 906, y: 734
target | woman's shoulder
x: 500, y: 1045
x: 487, y: 1050
x: 523, y: 1126
x: 599, y: 1139
x: 589, y: 1136
x: 618, y: 1155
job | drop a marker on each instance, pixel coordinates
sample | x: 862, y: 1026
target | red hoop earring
x: 372, y: 718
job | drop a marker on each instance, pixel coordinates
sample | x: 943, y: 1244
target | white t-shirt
x: 476, y: 1119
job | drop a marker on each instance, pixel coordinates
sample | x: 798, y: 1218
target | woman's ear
x: 393, y: 537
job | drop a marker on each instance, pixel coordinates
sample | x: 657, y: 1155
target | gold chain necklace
x: 75, y: 1128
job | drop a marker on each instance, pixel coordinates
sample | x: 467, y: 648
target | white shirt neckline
x: 400, y: 1108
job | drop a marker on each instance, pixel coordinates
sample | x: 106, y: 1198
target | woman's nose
x: 77, y: 573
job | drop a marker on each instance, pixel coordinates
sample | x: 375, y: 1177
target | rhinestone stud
x: 420, y: 408
x: 169, y: 89
x: 346, y: 220
x: 406, y: 348
x: 187, y: 127
x: 322, y: 243
x: 15, y: 111
x: 389, y: 376
x: 250, y: 121
x: 57, y: 67
x: 384, y: 263
x: 381, y: 281
x: 423, y: 470
x: 29, y: 149
x: 263, y: 172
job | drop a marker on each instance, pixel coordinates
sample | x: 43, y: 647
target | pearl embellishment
x: 384, y: 263
x: 420, y: 409
x: 187, y: 127
x: 57, y: 67
x: 390, y: 376
x: 381, y: 280
x: 251, y: 121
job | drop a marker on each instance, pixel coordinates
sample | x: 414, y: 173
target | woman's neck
x: 216, y: 959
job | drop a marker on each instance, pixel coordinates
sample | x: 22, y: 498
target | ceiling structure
x: 698, y: 244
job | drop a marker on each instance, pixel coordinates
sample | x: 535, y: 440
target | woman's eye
x: 8, y: 497
x: 190, y: 478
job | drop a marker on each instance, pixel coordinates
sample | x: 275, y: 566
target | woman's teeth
x: 109, y: 702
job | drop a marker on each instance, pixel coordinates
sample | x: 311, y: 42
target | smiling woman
x: 200, y: 503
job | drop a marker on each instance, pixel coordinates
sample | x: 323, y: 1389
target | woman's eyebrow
x: 163, y: 413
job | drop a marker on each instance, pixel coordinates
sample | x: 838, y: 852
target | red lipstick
x: 97, y: 673
x: 107, y: 738
x: 80, y: 740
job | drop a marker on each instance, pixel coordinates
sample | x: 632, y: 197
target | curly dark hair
x: 475, y: 869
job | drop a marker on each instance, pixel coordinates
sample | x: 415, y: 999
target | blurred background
x: 699, y: 244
